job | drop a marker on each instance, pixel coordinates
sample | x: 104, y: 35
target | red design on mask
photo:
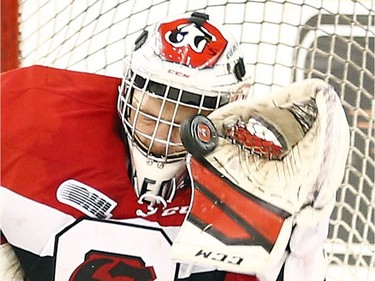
x: 192, y: 44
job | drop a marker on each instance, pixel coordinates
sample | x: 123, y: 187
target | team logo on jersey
x: 101, y: 266
x: 192, y: 43
x: 101, y: 250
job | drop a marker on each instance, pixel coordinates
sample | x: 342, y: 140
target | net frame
x: 284, y: 41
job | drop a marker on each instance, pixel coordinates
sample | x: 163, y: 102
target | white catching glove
x: 271, y: 180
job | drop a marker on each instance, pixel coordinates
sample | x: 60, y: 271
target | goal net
x: 283, y: 41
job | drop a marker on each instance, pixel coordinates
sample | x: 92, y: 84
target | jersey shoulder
x: 38, y: 76
x: 60, y: 125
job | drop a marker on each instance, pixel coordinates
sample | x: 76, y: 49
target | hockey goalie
x: 94, y: 192
x: 264, y: 175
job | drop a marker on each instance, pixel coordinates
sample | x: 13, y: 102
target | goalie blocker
x: 265, y: 174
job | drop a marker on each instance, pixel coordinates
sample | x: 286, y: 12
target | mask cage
x: 135, y: 83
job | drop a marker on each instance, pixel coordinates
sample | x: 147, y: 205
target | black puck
x: 198, y: 135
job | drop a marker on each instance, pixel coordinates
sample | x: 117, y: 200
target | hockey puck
x: 198, y: 135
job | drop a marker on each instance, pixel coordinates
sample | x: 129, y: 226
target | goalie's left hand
x: 257, y: 168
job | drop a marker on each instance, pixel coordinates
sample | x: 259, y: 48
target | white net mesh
x: 284, y: 41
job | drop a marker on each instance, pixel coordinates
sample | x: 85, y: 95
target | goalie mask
x: 180, y: 67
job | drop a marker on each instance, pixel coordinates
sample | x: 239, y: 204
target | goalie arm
x: 306, y: 258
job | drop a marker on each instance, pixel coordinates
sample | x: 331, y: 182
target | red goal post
x: 9, y: 35
x: 284, y: 41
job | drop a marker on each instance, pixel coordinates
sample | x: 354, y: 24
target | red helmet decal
x: 190, y: 43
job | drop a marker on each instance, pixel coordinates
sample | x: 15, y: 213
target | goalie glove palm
x: 274, y: 156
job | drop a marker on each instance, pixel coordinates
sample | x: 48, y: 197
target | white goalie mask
x: 181, y: 67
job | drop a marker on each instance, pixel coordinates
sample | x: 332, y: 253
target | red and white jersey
x: 67, y: 204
